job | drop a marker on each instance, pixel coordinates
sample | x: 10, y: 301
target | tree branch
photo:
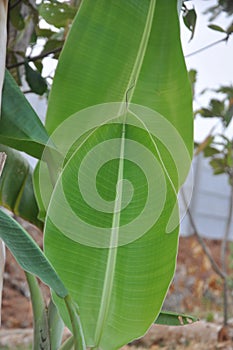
x: 207, y: 46
x: 206, y: 250
x: 35, y: 58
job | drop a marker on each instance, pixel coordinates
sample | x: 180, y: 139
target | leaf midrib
x: 112, y: 254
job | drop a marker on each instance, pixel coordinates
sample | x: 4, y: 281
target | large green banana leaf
x: 117, y: 260
x: 20, y: 127
x: 16, y: 188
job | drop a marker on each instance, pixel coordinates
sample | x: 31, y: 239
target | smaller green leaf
x: 226, y: 90
x: 20, y: 126
x: 44, y: 33
x: 28, y: 255
x: 56, y: 13
x: 218, y: 165
x: 34, y: 79
x: 174, y: 319
x: 216, y: 27
x: 217, y: 107
x: 190, y: 18
x: 204, y: 112
x: 16, y: 18
x: 210, y: 151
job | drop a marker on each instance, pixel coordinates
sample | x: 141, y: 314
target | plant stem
x: 68, y: 344
x: 35, y: 58
x: 56, y: 326
x: 40, y: 318
x: 79, y: 341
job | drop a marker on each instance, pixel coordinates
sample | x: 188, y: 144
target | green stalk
x: 79, y: 341
x: 41, y: 338
x: 68, y: 344
x: 56, y: 326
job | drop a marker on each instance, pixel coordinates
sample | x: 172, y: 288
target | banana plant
x: 116, y: 149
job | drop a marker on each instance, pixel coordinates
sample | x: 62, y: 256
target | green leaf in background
x: 217, y: 28
x: 193, y: 79
x: 210, y: 151
x: 35, y: 81
x: 57, y: 13
x: 190, y: 18
x: 28, y: 255
x: 16, y: 189
x: 20, y: 127
x: 119, y: 288
x: 174, y: 319
x: 16, y: 18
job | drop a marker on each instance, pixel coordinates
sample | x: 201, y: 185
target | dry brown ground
x: 196, y: 290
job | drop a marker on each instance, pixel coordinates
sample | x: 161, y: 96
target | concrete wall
x: 210, y: 201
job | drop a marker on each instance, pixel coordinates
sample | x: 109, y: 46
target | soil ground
x: 196, y: 290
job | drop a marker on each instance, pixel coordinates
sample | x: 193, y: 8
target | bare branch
x: 207, y: 46
x: 206, y: 250
x: 35, y: 58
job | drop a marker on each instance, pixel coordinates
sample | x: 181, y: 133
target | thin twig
x: 35, y: 58
x: 206, y: 250
x: 207, y: 46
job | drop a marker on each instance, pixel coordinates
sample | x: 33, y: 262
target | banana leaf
x: 120, y: 113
